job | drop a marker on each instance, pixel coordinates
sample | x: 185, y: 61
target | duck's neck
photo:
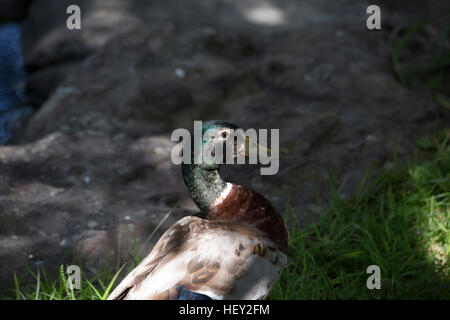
x: 206, y: 187
x: 221, y: 200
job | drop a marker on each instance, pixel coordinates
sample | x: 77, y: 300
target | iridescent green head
x: 201, y: 175
x: 217, y: 139
x: 215, y: 143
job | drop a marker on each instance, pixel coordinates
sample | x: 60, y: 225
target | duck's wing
x: 217, y: 259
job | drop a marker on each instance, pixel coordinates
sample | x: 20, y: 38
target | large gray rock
x: 49, y: 45
x: 61, y: 193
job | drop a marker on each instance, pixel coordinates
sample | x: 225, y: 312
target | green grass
x: 57, y: 288
x: 424, y: 70
x: 399, y: 222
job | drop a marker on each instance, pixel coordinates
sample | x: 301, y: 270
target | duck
x: 235, y: 248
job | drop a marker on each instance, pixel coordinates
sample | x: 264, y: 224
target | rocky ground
x: 92, y: 171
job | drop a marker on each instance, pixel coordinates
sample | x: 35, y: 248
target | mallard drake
x: 235, y: 249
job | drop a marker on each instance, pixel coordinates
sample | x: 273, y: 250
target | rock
x: 42, y: 83
x: 54, y: 145
x: 48, y: 43
x: 46, y: 206
x: 51, y: 50
x: 94, y: 245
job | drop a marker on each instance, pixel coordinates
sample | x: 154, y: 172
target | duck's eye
x: 224, y: 134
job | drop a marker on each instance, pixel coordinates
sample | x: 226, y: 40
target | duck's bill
x: 252, y: 149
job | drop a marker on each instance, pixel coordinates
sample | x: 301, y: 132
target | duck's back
x: 208, y: 258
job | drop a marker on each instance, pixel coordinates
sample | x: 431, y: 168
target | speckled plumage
x: 236, y: 252
x: 222, y: 260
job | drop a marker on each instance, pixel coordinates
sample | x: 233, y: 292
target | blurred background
x: 86, y: 115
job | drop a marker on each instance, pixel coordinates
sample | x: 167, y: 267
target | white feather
x: 223, y: 195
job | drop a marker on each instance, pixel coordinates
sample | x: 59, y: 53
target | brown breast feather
x: 252, y: 208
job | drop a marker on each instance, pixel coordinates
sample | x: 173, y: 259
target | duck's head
x: 211, y: 153
x: 221, y: 142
